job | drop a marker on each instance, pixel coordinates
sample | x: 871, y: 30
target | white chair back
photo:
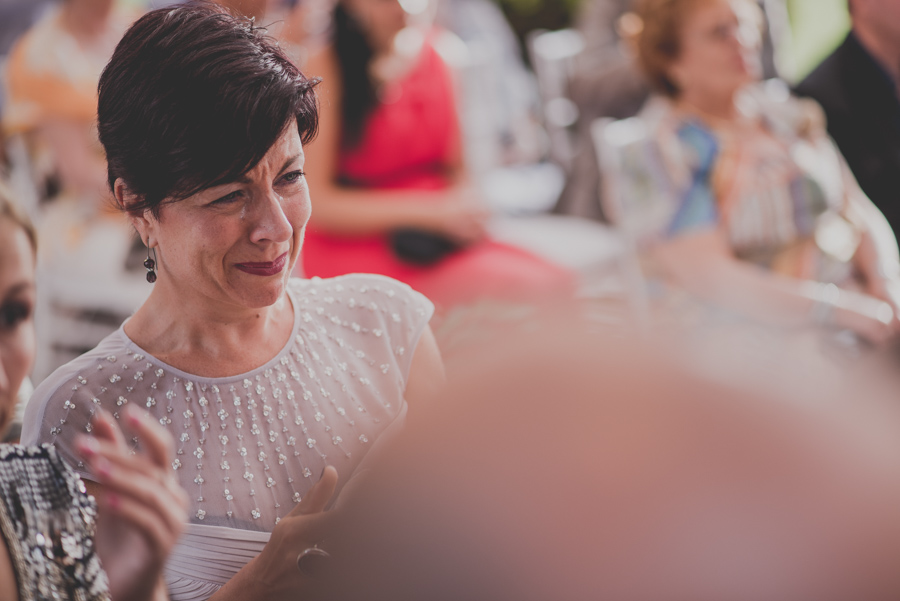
x: 611, y: 138
x: 553, y: 55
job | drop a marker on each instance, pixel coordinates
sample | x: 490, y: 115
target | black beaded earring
x: 150, y: 264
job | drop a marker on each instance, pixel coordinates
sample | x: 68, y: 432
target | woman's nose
x: 272, y: 222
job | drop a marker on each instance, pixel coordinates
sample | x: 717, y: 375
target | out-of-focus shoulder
x: 67, y: 379
x: 786, y: 113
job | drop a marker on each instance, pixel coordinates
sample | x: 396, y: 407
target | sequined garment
x: 47, y: 522
x: 250, y: 446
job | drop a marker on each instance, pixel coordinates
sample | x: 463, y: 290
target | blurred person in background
x: 16, y: 17
x: 607, y: 82
x: 51, y: 84
x: 498, y: 87
x: 392, y: 194
x: 857, y: 85
x: 53, y: 543
x: 737, y: 195
x: 598, y: 467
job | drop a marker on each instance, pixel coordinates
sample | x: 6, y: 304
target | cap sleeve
x: 395, y: 313
x: 61, y: 408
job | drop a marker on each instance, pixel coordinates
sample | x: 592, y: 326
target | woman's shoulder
x: 385, y: 312
x: 97, y: 364
x: 42, y: 501
x: 364, y: 290
x: 786, y: 115
x: 17, y: 457
x: 31, y: 472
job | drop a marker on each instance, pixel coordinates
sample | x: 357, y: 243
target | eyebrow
x: 246, y: 180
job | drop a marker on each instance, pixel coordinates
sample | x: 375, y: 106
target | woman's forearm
x: 357, y: 213
x: 702, y: 266
x: 247, y: 586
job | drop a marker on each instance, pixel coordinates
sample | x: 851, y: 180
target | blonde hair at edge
x: 655, y: 31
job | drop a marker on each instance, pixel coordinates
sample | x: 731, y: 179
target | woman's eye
x: 13, y: 314
x: 293, y: 177
x: 227, y: 198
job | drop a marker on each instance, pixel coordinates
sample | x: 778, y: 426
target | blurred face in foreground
x: 17, y: 298
x: 567, y: 465
x: 718, y: 51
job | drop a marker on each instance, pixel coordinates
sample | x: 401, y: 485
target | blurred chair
x: 84, y: 290
x: 22, y: 175
x: 552, y: 55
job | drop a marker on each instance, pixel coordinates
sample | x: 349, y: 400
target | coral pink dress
x: 408, y: 141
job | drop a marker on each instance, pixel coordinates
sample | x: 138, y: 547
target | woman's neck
x: 709, y: 107
x: 209, y: 338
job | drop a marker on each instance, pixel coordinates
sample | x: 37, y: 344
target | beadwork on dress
x: 249, y: 447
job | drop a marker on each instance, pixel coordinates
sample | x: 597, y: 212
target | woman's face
x: 718, y: 53
x: 17, y: 298
x: 381, y: 20
x: 235, y: 244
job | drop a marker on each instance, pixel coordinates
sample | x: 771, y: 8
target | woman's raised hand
x: 142, y: 509
x: 277, y: 573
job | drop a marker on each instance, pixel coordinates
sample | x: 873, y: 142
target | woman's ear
x: 141, y: 220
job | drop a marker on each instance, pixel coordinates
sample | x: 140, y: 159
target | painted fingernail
x: 103, y: 468
x: 113, y: 501
x: 87, y: 446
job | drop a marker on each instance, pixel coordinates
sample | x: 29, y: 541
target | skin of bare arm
x: 8, y: 588
x: 455, y: 212
x: 705, y: 266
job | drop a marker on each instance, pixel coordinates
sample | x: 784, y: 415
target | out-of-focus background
x: 522, y: 107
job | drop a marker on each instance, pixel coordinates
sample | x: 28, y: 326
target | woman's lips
x: 268, y: 268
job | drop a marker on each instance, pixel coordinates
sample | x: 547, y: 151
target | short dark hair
x: 194, y: 97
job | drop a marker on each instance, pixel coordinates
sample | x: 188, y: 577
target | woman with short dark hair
x: 274, y: 388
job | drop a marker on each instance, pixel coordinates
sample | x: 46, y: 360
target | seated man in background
x: 857, y: 86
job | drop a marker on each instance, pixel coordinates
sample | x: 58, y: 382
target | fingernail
x: 103, y: 468
x: 87, y: 446
x: 112, y: 500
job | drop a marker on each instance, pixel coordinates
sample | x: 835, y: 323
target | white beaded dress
x: 248, y: 447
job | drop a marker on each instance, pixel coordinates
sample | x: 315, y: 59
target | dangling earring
x: 150, y: 264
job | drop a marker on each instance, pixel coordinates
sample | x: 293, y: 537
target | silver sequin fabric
x: 47, y: 522
x: 251, y: 445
